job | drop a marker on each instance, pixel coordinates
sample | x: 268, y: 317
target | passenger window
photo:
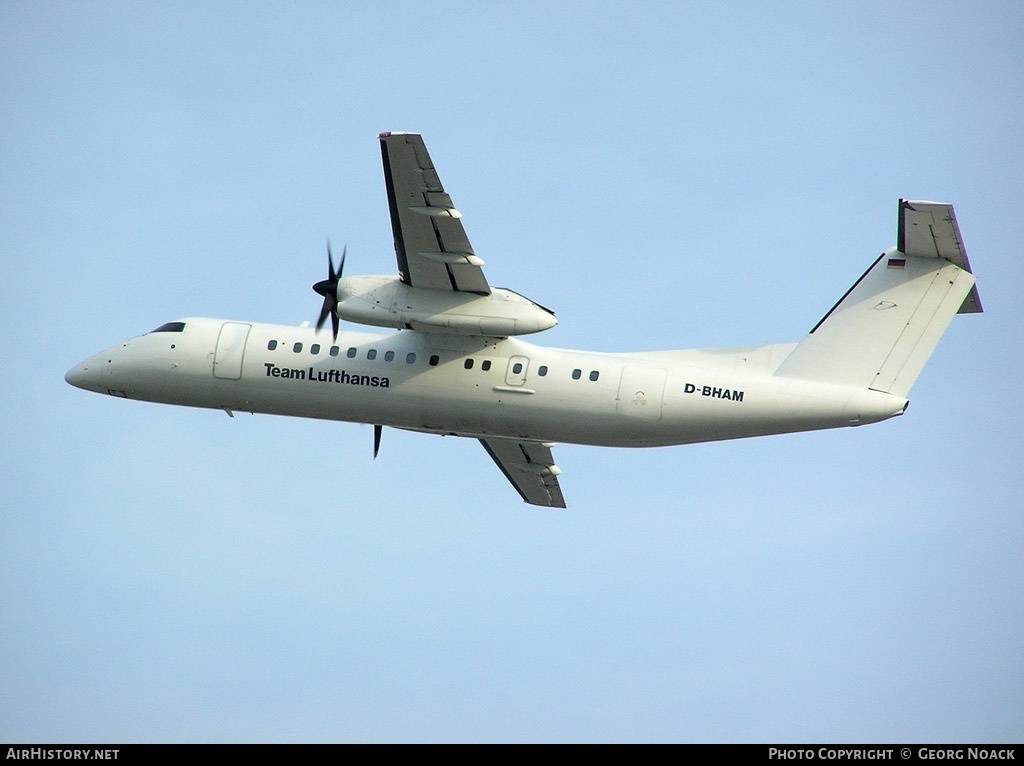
x: 334, y: 350
x: 314, y: 349
x: 542, y: 370
x: 486, y: 365
x: 434, y: 359
x: 272, y: 345
x: 468, y: 364
x: 371, y: 354
x: 517, y: 368
x: 594, y: 374
x: 351, y: 353
x: 410, y: 358
x: 297, y: 348
x: 576, y: 374
x: 389, y: 356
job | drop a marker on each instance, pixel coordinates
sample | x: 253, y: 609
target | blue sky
x: 662, y: 175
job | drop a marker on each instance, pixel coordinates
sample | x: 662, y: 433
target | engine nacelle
x: 388, y: 302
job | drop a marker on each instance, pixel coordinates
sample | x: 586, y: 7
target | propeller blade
x: 324, y: 311
x: 328, y: 288
x: 377, y: 431
x: 330, y: 264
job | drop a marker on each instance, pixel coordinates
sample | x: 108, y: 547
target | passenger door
x: 227, y: 362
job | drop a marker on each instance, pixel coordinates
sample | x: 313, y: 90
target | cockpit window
x: 171, y: 327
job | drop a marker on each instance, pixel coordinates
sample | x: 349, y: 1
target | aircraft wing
x: 432, y: 248
x: 531, y: 469
x: 930, y: 230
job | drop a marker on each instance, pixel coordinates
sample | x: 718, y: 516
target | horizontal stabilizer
x: 930, y: 230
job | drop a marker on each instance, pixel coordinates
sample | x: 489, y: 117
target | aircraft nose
x: 85, y: 375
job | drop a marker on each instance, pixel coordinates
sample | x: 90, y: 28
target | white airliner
x: 457, y: 366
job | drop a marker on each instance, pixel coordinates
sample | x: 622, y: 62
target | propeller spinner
x: 328, y: 288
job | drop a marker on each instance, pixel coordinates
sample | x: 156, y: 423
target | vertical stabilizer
x: 881, y: 333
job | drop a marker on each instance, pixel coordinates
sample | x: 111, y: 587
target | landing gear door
x: 227, y: 362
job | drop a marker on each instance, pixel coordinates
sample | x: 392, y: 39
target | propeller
x: 328, y: 288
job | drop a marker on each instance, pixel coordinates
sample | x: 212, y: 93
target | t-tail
x: 880, y: 334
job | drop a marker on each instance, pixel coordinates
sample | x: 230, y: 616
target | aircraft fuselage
x: 477, y: 386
